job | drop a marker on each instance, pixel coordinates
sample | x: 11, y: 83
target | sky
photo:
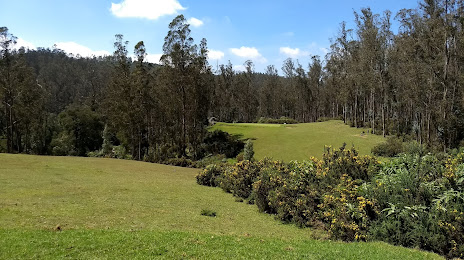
x: 264, y: 31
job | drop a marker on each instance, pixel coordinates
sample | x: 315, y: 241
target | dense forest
x: 408, y: 84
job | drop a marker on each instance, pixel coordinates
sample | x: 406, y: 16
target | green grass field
x: 109, y: 209
x: 300, y: 141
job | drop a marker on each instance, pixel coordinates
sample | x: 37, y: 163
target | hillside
x: 300, y: 141
x: 56, y: 207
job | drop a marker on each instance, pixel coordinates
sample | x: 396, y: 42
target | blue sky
x: 266, y: 32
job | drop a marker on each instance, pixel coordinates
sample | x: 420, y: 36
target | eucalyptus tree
x: 186, y: 79
x: 21, y: 96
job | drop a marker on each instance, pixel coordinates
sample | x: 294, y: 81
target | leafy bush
x: 209, y: 176
x: 120, y: 152
x: 239, y: 178
x: 336, y: 163
x: 413, y: 200
x: 220, y: 142
x: 421, y: 202
x: 248, y: 152
x: 181, y: 162
x: 281, y: 120
x: 392, y: 147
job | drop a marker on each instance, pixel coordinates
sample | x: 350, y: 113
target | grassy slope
x: 119, y: 209
x: 300, y: 141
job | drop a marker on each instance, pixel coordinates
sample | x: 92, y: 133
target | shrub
x: 181, y: 162
x: 239, y: 157
x: 120, y: 152
x: 347, y: 215
x: 335, y: 163
x: 220, y: 142
x: 239, y: 178
x: 210, y: 175
x: 248, y: 152
x: 208, y: 213
x: 413, y: 200
x: 392, y: 147
x: 270, y: 178
x: 297, y: 194
x: 281, y: 120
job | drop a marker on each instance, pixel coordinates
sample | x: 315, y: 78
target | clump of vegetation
x: 208, y: 213
x: 281, y: 120
x: 392, y: 147
x: 248, y: 152
x: 414, y: 200
x: 220, y: 142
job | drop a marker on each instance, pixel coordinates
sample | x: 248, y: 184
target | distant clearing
x: 300, y: 141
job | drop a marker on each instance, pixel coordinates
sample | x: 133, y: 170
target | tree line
x: 407, y: 83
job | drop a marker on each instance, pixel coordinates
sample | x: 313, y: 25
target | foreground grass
x: 84, y: 244
x: 109, y: 208
x: 300, y: 141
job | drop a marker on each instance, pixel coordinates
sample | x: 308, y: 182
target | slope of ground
x: 56, y: 207
x: 300, y: 141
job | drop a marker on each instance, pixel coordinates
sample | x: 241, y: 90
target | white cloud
x: 23, y: 43
x: 249, y: 53
x: 215, y: 55
x: 77, y: 49
x: 239, y: 68
x: 293, y: 53
x: 153, y: 58
x: 149, y: 9
x: 195, y: 22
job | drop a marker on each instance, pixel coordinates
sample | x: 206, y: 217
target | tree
x: 186, y: 80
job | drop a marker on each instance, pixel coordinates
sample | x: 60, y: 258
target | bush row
x: 413, y: 200
x: 282, y: 120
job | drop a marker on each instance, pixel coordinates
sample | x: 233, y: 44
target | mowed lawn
x: 301, y: 141
x: 81, y: 208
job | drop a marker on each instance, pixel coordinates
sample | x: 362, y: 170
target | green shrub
x: 210, y: 175
x: 281, y: 120
x: 120, y: 152
x: 220, y: 142
x: 181, y: 162
x: 239, y: 178
x: 239, y: 157
x: 208, y: 213
x: 270, y: 178
x: 248, y: 152
x: 336, y: 163
x: 392, y: 147
x: 413, y: 200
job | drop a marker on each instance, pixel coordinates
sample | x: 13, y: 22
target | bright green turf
x: 126, y: 209
x: 300, y: 141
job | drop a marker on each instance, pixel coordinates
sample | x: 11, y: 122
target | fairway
x: 57, y: 207
x: 301, y: 141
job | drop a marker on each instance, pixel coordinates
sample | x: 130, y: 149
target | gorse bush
x: 239, y: 178
x: 210, y: 175
x: 414, y: 200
